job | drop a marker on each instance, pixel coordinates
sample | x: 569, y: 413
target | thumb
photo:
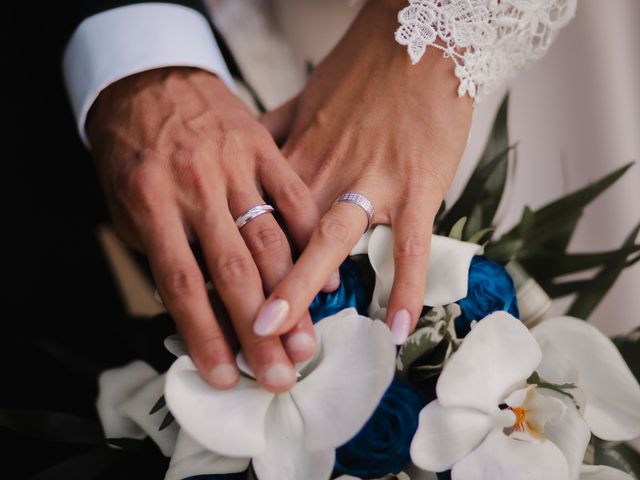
x: 279, y: 120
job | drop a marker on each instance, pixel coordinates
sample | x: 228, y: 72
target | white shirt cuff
x: 117, y: 43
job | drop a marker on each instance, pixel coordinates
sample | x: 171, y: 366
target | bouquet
x: 487, y: 387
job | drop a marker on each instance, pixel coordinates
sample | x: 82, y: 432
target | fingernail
x: 400, y: 326
x: 278, y: 375
x: 223, y: 375
x: 271, y: 317
x: 333, y: 283
x: 301, y: 342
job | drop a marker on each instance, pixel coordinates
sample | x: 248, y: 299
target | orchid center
x: 529, y: 410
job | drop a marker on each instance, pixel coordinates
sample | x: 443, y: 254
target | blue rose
x: 351, y: 293
x: 382, y: 446
x: 490, y: 289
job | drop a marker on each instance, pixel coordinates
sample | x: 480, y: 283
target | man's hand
x: 180, y: 157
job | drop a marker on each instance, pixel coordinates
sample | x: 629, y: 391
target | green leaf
x: 52, y: 426
x: 432, y: 330
x: 589, y: 297
x: 481, y: 196
x: 629, y: 346
x: 456, y: 230
x: 479, y: 236
x: 158, y: 405
x: 561, y: 388
x: 617, y: 455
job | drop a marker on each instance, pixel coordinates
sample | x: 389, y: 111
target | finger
x: 337, y: 233
x: 278, y: 121
x: 411, y: 246
x: 237, y: 280
x: 182, y: 288
x: 294, y: 202
x: 270, y: 251
x: 300, y: 341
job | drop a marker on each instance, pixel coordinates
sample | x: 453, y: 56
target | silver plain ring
x: 253, y: 212
x: 360, y: 200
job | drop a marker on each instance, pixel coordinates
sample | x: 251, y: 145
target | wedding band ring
x: 253, y: 212
x: 360, y: 200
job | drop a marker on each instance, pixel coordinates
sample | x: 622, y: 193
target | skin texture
x: 179, y: 157
x: 370, y: 122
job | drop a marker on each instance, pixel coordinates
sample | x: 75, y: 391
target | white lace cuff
x: 489, y: 40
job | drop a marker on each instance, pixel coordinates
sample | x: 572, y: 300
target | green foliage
x: 482, y: 194
x: 617, y: 455
x: 423, y: 354
x: 629, y: 346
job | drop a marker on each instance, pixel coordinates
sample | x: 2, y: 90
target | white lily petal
x: 602, y: 472
x: 285, y: 456
x: 571, y: 435
x: 613, y: 394
x: 363, y: 244
x: 500, y: 457
x: 137, y: 408
x: 190, y: 459
x: 228, y: 422
x: 495, y: 358
x: 115, y: 386
x: 446, y: 435
x: 355, y: 367
x: 449, y: 262
x: 176, y: 346
x: 556, y: 366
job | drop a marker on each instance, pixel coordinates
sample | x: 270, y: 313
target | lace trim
x: 489, y: 40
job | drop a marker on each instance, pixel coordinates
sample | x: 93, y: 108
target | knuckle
x: 266, y: 241
x: 232, y: 268
x: 135, y: 186
x: 294, y: 195
x: 181, y: 281
x: 410, y: 248
x: 334, y: 230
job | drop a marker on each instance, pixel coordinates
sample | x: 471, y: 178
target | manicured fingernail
x: 333, y: 283
x: 271, y: 317
x: 223, y: 375
x: 301, y: 342
x: 400, y: 326
x: 278, y: 375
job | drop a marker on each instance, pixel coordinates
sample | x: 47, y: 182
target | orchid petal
x: 613, y: 394
x: 137, y: 408
x: 115, y: 386
x: 446, y: 435
x: 355, y: 367
x: 228, y: 422
x: 570, y: 434
x: 496, y: 357
x: 500, y: 457
x: 362, y: 246
x: 285, y: 455
x: 602, y: 472
x: 175, y: 345
x: 449, y: 262
x: 190, y: 459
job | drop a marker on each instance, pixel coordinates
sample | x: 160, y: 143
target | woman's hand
x: 180, y: 157
x: 369, y: 122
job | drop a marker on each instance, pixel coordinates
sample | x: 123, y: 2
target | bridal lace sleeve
x: 489, y: 40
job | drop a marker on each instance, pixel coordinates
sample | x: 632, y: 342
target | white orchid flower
x: 487, y: 423
x: 125, y: 397
x: 575, y: 351
x: 449, y: 262
x: 602, y: 472
x: 286, y: 436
